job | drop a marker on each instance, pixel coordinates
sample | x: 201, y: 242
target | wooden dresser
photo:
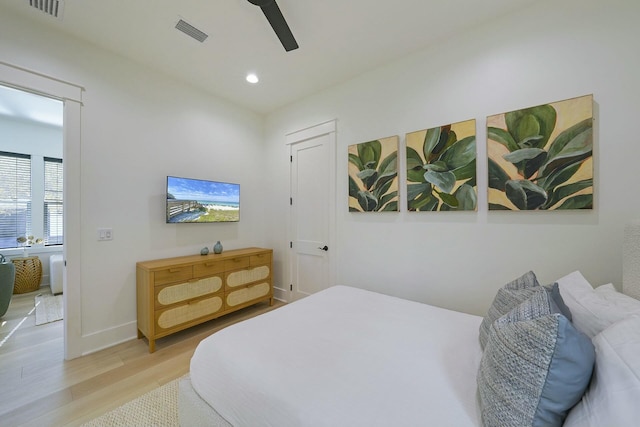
x: 176, y: 293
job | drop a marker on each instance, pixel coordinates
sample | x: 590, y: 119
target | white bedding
x: 343, y: 357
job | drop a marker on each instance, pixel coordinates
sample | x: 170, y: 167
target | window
x: 15, y: 198
x: 29, y: 182
x: 52, y: 201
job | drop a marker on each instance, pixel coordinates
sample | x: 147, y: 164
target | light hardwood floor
x: 39, y: 388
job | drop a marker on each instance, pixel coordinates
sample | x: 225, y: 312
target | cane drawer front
x: 166, y: 295
x: 176, y: 316
x: 240, y: 278
x: 208, y: 268
x: 248, y: 294
x: 172, y: 275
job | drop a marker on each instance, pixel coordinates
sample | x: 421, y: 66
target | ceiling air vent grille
x: 50, y: 7
x: 191, y: 31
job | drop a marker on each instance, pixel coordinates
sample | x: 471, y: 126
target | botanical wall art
x: 541, y: 158
x: 373, y: 175
x: 441, y: 168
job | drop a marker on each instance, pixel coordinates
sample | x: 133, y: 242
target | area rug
x: 157, y: 408
x: 48, y: 308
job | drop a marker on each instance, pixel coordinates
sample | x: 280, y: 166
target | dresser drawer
x: 262, y: 258
x: 248, y: 294
x: 208, y: 268
x: 179, y: 315
x: 172, y: 275
x: 175, y: 293
x: 244, y: 277
x: 237, y: 262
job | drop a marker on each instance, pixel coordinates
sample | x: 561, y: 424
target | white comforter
x: 344, y: 357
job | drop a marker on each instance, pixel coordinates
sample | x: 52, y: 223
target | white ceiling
x: 27, y: 106
x: 339, y: 39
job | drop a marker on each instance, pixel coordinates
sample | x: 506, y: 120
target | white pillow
x: 572, y: 287
x: 592, y: 310
x: 613, y: 396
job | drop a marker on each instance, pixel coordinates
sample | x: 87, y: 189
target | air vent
x: 50, y: 7
x: 191, y: 31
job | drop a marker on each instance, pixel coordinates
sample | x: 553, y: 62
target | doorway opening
x: 70, y: 95
x: 31, y: 208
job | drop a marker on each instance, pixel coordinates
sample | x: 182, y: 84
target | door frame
x: 71, y: 96
x: 321, y: 129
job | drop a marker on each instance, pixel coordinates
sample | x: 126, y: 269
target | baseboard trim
x: 106, y: 338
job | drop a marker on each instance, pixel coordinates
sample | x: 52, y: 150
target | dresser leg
x: 152, y: 345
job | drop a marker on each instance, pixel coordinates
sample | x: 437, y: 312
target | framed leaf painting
x: 541, y: 158
x: 441, y: 168
x: 373, y: 176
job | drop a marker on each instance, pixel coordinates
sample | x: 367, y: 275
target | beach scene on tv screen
x: 194, y: 200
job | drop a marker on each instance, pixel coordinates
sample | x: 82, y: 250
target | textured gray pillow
x: 507, y: 297
x: 535, y: 366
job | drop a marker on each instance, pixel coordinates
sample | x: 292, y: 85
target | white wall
x: 137, y: 127
x: 552, y: 51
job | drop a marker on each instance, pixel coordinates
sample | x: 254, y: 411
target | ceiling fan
x: 278, y: 23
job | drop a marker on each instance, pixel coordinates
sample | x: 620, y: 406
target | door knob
x: 325, y: 248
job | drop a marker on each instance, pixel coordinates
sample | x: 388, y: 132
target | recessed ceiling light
x: 252, y: 78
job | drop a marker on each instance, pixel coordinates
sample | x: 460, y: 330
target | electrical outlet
x: 105, y: 234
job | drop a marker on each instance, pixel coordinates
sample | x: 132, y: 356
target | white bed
x: 350, y: 357
x: 343, y: 357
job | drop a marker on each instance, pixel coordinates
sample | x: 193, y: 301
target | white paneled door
x: 312, y: 210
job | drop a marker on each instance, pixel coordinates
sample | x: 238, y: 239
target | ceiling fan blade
x: 278, y: 23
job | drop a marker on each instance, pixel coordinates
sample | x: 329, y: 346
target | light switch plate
x: 105, y: 234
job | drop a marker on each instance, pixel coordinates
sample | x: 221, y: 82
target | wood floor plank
x: 37, y: 407
x: 39, y: 388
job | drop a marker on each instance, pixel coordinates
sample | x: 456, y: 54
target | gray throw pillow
x: 507, y: 297
x: 535, y: 366
x: 554, y: 292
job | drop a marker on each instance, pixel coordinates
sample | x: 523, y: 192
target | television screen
x: 196, y: 200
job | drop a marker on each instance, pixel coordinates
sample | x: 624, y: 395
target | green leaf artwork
x: 441, y: 168
x: 541, y: 158
x: 373, y: 176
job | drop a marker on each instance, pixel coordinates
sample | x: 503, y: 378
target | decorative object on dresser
x: 28, y: 274
x: 217, y: 248
x: 176, y: 293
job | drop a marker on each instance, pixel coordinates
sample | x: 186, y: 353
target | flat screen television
x: 200, y: 201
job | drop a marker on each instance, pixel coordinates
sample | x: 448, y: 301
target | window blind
x: 53, y: 202
x: 15, y: 198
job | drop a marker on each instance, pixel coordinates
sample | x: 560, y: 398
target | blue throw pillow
x: 535, y: 367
